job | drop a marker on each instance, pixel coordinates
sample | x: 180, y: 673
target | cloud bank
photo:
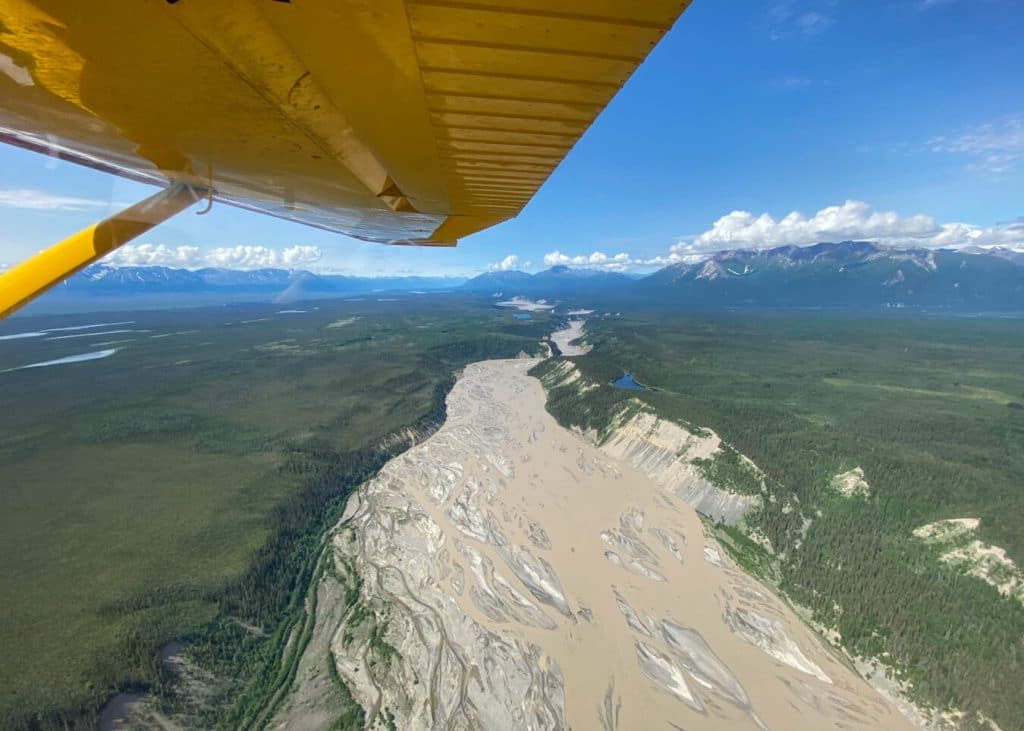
x: 597, y: 259
x: 621, y: 262
x: 231, y: 257
x: 153, y: 255
x: 738, y: 229
x: 852, y: 220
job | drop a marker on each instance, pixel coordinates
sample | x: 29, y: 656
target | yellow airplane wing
x: 395, y: 121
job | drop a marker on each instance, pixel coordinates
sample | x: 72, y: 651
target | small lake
x: 522, y: 316
x: 626, y: 381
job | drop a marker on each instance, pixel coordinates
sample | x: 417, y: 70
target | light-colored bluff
x: 663, y: 450
x: 509, y: 574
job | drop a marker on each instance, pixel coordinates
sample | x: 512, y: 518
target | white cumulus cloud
x: 298, y: 255
x: 242, y: 257
x: 620, y: 262
x: 509, y: 263
x: 956, y: 235
x: 259, y: 257
x: 153, y: 255
x: 596, y: 260
x: 851, y: 220
x: 37, y: 200
x: 228, y: 257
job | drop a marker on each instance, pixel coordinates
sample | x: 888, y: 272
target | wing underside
x: 388, y: 120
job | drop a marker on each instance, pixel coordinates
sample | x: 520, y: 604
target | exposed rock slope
x: 959, y: 547
x: 665, y: 452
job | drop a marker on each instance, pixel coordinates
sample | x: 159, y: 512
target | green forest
x: 180, y: 488
x: 928, y: 407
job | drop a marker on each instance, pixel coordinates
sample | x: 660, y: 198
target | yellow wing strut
x: 31, y: 278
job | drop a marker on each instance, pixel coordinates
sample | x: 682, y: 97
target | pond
x: 522, y: 316
x: 626, y: 381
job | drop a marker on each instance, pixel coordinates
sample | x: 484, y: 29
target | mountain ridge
x: 561, y: 277
x: 845, y: 274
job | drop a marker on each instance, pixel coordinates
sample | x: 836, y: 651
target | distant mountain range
x: 1003, y: 252
x: 849, y: 274
x: 281, y: 282
x: 105, y: 287
x: 558, y: 280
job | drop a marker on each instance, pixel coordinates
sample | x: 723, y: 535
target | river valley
x: 511, y: 574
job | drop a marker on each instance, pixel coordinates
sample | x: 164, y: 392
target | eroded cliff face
x: 663, y: 450
x: 509, y: 574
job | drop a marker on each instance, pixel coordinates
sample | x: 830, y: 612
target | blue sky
x: 752, y: 124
